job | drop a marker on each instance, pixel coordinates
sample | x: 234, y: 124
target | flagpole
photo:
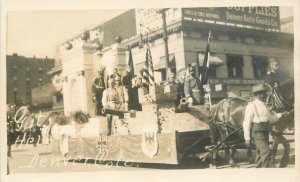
x: 163, y: 13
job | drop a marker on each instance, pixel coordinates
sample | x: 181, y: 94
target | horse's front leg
x: 214, y: 157
x: 274, y: 149
x: 286, y: 151
x: 230, y: 156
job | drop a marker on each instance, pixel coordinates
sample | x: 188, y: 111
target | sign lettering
x: 234, y: 81
x: 256, y: 17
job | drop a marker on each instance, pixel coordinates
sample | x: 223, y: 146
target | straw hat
x: 258, y: 88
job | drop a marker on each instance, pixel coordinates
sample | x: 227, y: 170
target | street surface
x: 30, y: 159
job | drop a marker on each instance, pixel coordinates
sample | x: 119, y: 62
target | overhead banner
x: 251, y: 17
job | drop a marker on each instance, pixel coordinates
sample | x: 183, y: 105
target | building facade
x: 244, y: 39
x: 24, y: 74
x: 287, y: 25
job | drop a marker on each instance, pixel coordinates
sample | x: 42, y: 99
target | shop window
x: 235, y: 65
x: 59, y: 98
x: 212, y: 71
x: 260, y: 66
x: 214, y: 62
x: 161, y: 66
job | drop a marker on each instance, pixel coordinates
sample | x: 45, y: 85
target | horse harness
x: 225, y: 124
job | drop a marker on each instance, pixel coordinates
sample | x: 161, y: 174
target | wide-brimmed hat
x: 258, y: 88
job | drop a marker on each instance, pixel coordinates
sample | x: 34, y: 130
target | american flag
x: 148, y: 73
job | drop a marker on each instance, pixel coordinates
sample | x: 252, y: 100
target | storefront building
x: 244, y: 39
x: 23, y: 75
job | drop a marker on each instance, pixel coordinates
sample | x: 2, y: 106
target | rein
x: 219, y: 144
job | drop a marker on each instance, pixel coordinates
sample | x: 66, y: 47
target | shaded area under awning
x: 161, y: 64
x: 213, y: 60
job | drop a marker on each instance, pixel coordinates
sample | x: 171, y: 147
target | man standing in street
x: 256, y: 123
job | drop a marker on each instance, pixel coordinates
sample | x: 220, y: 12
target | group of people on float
x: 119, y: 93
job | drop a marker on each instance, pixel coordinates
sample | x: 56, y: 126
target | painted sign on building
x: 148, y: 20
x: 229, y: 81
x: 251, y: 17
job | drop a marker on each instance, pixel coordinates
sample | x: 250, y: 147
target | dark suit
x: 272, y: 78
x: 98, y: 89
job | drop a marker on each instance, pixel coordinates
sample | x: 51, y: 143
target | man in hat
x: 111, y: 99
x: 273, y: 75
x: 192, y: 90
x: 98, y: 88
x: 256, y: 124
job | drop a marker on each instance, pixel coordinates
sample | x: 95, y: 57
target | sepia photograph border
x: 274, y: 175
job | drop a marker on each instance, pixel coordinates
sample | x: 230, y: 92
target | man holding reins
x: 256, y: 125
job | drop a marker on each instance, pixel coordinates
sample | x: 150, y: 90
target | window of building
x: 214, y: 61
x: 59, y: 98
x: 260, y: 66
x: 235, y: 65
x: 212, y: 71
x: 161, y: 66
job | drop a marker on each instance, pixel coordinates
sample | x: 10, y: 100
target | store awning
x: 213, y: 60
x: 162, y: 63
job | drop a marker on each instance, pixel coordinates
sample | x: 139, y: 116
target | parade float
x: 162, y: 131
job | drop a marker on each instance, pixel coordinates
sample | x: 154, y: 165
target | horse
x: 226, y: 130
x: 281, y: 99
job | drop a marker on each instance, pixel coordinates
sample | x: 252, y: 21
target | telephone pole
x: 163, y: 13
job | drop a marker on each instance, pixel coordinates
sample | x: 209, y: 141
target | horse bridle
x: 276, y: 99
